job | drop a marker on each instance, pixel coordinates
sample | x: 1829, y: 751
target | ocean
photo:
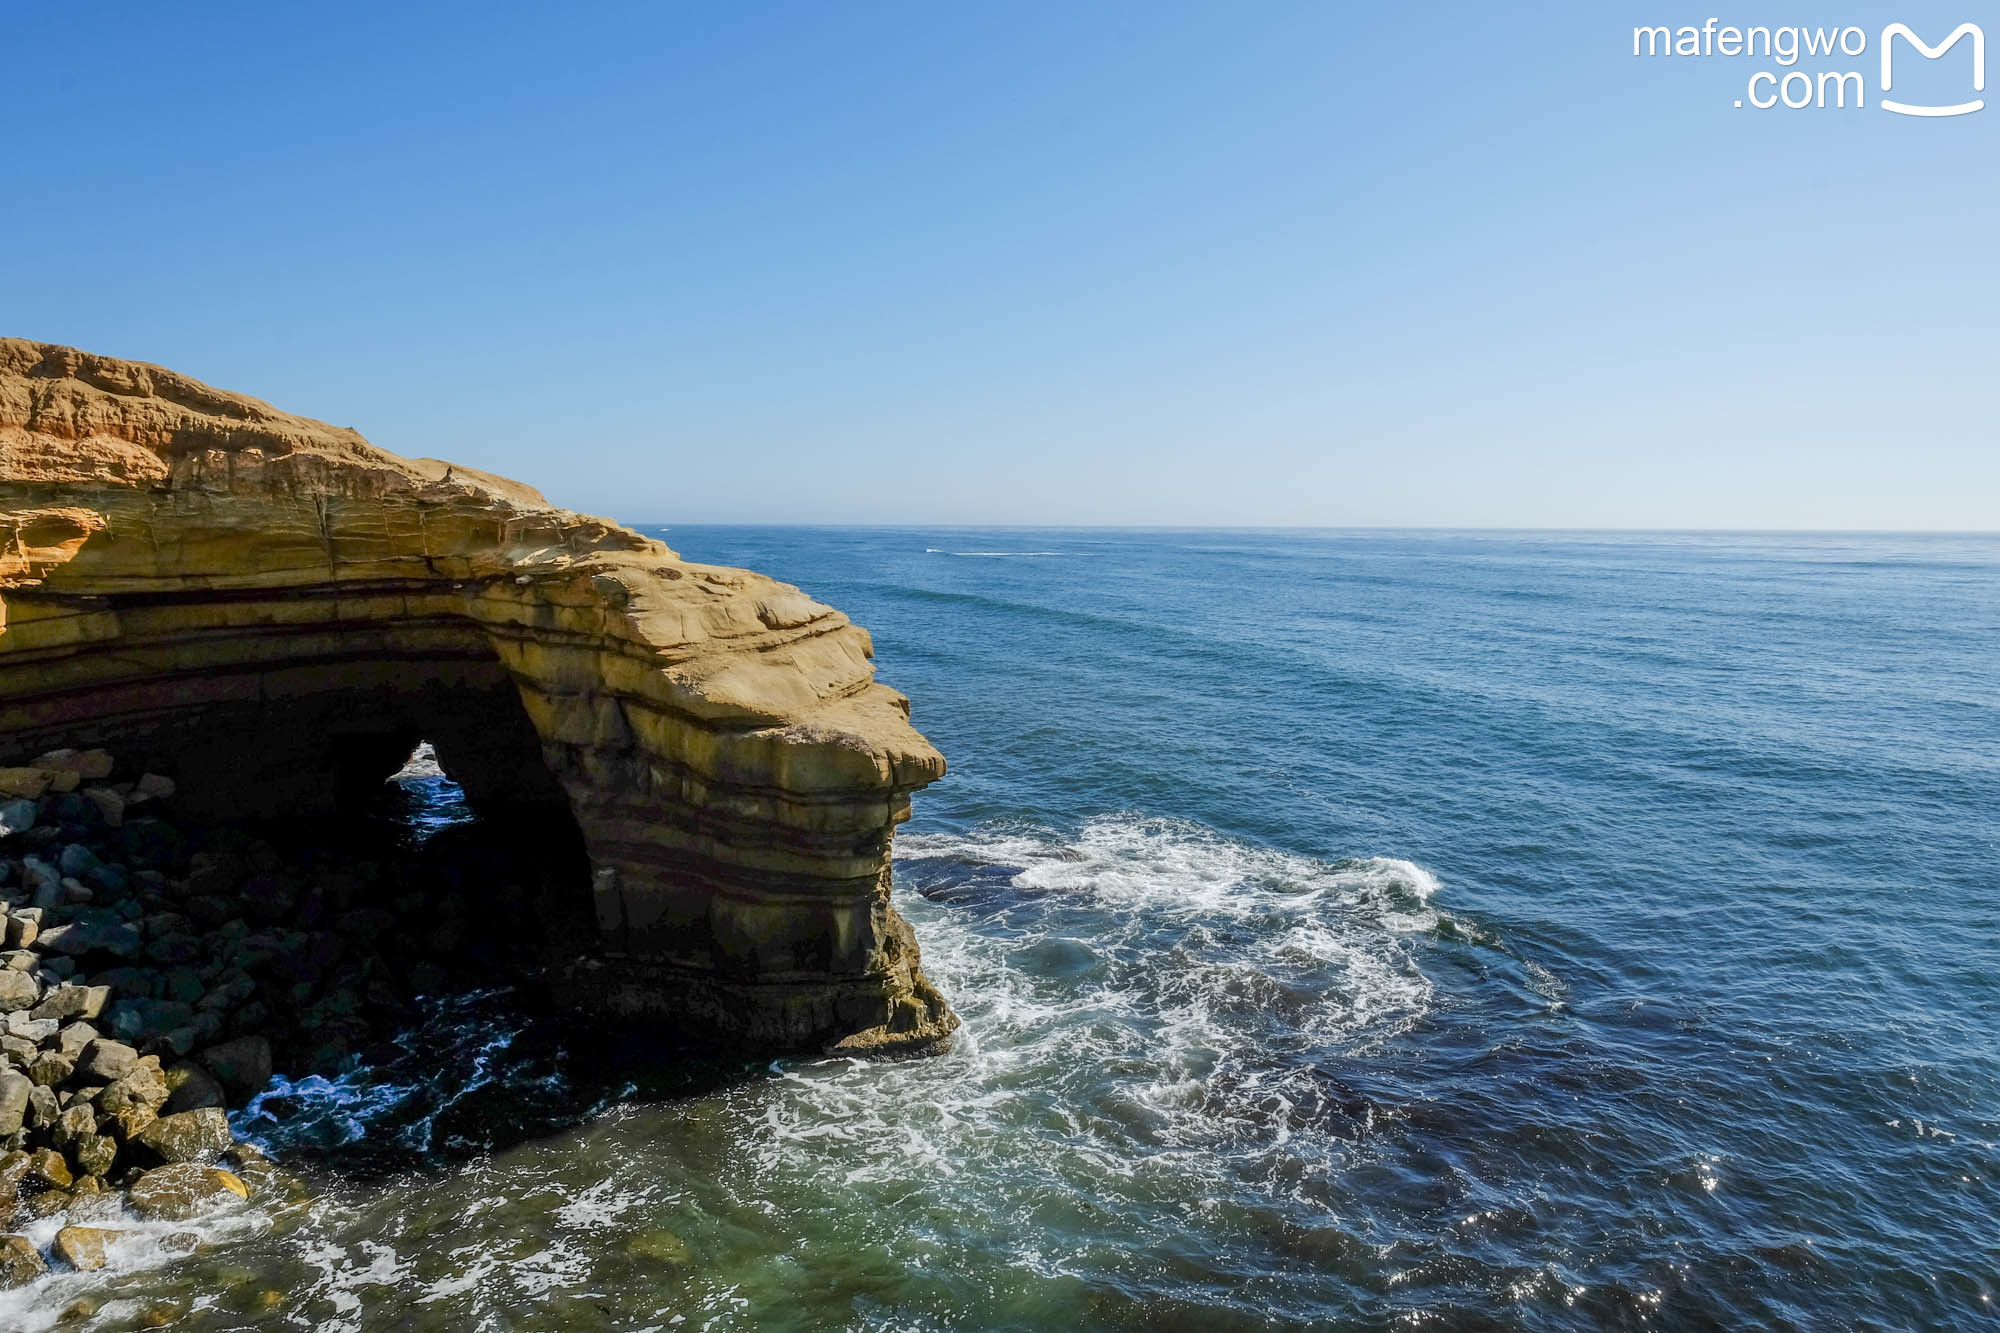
x: 1352, y: 930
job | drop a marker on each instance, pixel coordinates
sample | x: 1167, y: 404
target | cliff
x: 273, y: 611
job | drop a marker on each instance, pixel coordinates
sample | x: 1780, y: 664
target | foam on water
x: 1145, y: 992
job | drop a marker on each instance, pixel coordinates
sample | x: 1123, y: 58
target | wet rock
x: 661, y: 1246
x: 177, y: 1192
x: 77, y: 1311
x: 94, y: 1154
x: 15, y: 1090
x: 127, y: 1121
x: 47, y: 1204
x: 242, y: 1066
x: 191, y: 1087
x: 82, y: 1248
x: 20, y: 1262
x: 187, y: 1136
x: 46, y: 1171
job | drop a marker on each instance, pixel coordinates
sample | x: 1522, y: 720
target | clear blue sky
x: 1075, y: 262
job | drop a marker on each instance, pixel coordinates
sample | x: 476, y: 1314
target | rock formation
x: 273, y: 612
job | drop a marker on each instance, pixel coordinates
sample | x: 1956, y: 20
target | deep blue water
x: 1352, y: 931
x: 1701, y: 1024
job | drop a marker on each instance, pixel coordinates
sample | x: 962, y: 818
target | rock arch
x: 269, y: 609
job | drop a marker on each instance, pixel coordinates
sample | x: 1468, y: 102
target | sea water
x: 1352, y: 930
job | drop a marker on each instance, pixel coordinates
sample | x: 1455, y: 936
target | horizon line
x: 1326, y: 527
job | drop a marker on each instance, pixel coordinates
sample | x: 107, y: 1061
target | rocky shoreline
x: 158, y: 971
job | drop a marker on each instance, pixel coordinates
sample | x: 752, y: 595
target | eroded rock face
x: 272, y: 612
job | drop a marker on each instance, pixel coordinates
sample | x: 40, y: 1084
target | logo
x: 1797, y: 89
x: 1895, y: 30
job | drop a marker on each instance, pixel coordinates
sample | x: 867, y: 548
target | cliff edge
x: 273, y: 611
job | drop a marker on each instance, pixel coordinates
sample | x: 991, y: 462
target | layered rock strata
x: 273, y: 612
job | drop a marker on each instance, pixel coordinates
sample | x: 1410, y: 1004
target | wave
x: 1143, y: 995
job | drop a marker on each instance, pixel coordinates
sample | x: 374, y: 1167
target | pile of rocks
x: 155, y: 974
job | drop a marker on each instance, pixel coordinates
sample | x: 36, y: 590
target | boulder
x: 51, y: 1069
x: 82, y: 1248
x: 138, y: 1019
x: 73, y: 1124
x: 94, y: 1155
x: 127, y: 1121
x: 88, y: 765
x: 42, y: 882
x: 242, y: 1066
x: 27, y: 1026
x: 46, y: 1171
x: 110, y: 805
x: 15, y: 1090
x: 20, y: 1262
x: 18, y: 990
x: 25, y: 784
x: 187, y: 1136
x: 107, y: 1061
x: 145, y: 1086
x: 17, y: 816
x: 75, y: 1037
x: 179, y: 1191
x: 95, y: 932
x: 153, y: 787
x: 191, y: 1087
x: 72, y: 1001
x: 23, y: 927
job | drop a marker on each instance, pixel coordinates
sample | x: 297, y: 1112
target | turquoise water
x: 1352, y: 930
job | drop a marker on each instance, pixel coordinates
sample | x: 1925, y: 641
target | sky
x: 1085, y: 262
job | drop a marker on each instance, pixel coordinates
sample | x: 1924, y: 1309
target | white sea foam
x: 1143, y: 999
x: 1151, y: 1011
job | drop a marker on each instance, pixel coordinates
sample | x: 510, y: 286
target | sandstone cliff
x: 274, y: 611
